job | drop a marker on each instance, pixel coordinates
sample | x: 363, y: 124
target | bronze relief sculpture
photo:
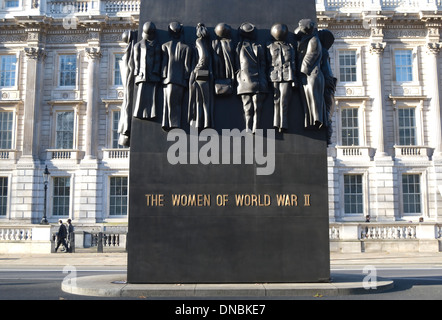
x: 223, y: 60
x: 201, y: 113
x: 147, y: 64
x: 281, y: 61
x: 176, y: 68
x: 127, y: 75
x: 251, y: 75
x: 327, y: 39
x: 312, y: 79
x: 216, y: 68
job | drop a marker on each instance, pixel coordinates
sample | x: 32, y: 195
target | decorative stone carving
x: 93, y: 53
x: 35, y: 53
x: 433, y: 47
x: 377, y: 47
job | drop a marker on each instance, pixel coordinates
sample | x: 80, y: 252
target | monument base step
x: 115, y: 285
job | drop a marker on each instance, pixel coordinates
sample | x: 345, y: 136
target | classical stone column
x: 433, y: 50
x: 94, y: 55
x: 34, y: 70
x: 376, y: 49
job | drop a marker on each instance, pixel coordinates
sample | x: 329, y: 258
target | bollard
x: 72, y: 242
x: 53, y: 238
x: 100, y: 242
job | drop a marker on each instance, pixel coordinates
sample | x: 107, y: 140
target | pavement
x: 119, y: 259
x: 115, y: 285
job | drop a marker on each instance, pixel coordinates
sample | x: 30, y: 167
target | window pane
x: 347, y: 65
x: 6, y: 130
x: 12, y: 3
x: 353, y: 194
x: 411, y: 193
x: 350, y: 127
x: 118, y: 196
x: 117, y: 72
x: 115, y: 134
x: 403, y: 65
x: 3, y: 195
x: 61, y: 196
x: 8, y: 65
x: 64, y: 135
x: 68, y: 70
x: 407, y: 126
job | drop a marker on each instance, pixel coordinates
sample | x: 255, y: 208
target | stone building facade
x: 61, y: 92
x: 59, y: 104
x: 385, y: 160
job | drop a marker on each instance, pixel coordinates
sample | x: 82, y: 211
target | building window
x: 350, y: 127
x: 407, y: 127
x: 115, y: 134
x: 12, y: 3
x: 3, y: 195
x: 353, y: 195
x: 347, y: 66
x: 403, y: 60
x: 68, y: 70
x: 8, y: 67
x: 411, y: 193
x: 64, y: 135
x: 118, y: 196
x: 117, y: 72
x: 61, y: 196
x: 6, y: 130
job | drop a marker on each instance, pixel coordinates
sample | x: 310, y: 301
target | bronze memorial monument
x: 227, y: 112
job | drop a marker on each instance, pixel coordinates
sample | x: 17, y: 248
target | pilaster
x: 94, y: 55
x: 35, y: 56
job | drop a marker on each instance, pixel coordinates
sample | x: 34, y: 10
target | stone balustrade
x: 376, y: 5
x: 109, y: 7
x: 25, y: 239
x: 391, y: 237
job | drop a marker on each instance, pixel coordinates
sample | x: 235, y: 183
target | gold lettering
x: 287, y: 200
x: 239, y: 198
x: 306, y: 200
x: 175, y: 200
x: 266, y: 202
x: 191, y: 200
x: 294, y: 200
x: 221, y: 200
x: 279, y: 199
x: 154, y: 200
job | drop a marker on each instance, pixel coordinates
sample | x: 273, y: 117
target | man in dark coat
x: 61, y: 236
x: 251, y: 75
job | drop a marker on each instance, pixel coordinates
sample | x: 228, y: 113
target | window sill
x: 410, y: 152
x: 116, y: 153
x: 64, y: 154
x: 6, y: 154
x: 353, y: 152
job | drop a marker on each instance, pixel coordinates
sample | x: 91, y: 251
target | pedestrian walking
x: 71, y: 239
x: 61, y: 236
